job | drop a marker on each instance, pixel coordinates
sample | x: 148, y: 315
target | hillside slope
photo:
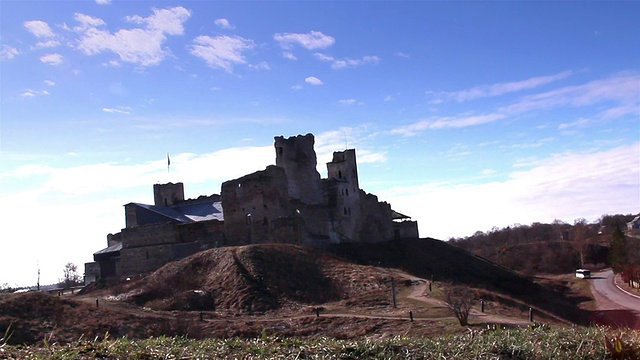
x: 431, y: 258
x: 255, y: 278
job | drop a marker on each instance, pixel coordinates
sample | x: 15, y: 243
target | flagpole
x: 168, y: 163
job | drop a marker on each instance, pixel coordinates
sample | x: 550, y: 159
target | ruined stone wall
x: 252, y: 202
x: 376, y: 222
x: 168, y: 194
x: 208, y: 233
x: 147, y: 235
x: 405, y: 229
x: 343, y: 166
x: 298, y: 159
x: 141, y: 260
x: 130, y: 215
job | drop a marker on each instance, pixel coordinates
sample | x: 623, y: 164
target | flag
x: 168, y: 160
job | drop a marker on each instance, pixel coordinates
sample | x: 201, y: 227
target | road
x: 603, y: 283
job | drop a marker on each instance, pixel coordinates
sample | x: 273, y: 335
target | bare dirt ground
x: 251, y: 291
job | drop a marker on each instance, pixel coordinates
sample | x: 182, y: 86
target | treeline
x: 554, y: 248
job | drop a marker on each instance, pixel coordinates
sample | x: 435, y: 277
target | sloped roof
x: 397, y: 216
x: 111, y: 249
x: 188, y: 212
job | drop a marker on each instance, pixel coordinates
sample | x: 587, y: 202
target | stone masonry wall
x: 298, y: 159
x: 251, y: 204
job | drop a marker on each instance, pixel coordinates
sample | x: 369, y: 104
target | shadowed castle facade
x: 285, y: 203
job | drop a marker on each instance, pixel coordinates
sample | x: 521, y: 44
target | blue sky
x: 464, y: 115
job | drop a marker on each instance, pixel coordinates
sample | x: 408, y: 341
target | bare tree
x: 580, y: 240
x: 70, y: 276
x: 459, y: 299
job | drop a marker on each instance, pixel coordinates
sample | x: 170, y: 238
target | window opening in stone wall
x: 146, y: 254
x: 347, y: 192
x: 340, y: 174
x: 165, y: 201
x: 345, y: 211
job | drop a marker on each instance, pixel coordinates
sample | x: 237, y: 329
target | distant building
x: 285, y: 203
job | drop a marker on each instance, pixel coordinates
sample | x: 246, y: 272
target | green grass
x: 535, y: 342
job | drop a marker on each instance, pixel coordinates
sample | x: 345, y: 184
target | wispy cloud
x: 51, y: 59
x: 222, y: 52
x: 29, y: 93
x: 347, y: 101
x: 565, y: 186
x: 142, y: 46
x: 503, y: 88
x: 39, y: 29
x: 346, y: 63
x: 312, y: 80
x: 118, y: 110
x: 103, y: 2
x: 310, y: 41
x: 620, y: 89
x: 620, y: 93
x: 447, y: 122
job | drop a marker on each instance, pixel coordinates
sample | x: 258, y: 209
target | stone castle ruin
x: 285, y: 203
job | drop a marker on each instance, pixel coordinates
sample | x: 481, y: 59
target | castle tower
x: 168, y: 194
x: 344, y: 167
x: 298, y: 159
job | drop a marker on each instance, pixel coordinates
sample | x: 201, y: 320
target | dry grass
x: 535, y: 342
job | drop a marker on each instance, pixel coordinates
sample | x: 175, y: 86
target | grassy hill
x: 429, y: 258
x: 245, y: 291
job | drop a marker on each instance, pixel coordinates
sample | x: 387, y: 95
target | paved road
x: 603, y: 283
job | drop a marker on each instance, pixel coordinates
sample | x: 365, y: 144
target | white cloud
x: 565, y: 186
x: 118, y: 110
x: 222, y: 52
x: 310, y: 41
x: 49, y: 82
x: 142, y: 46
x: 312, y: 80
x: 8, y: 52
x: 103, y: 2
x: 223, y: 24
x: 402, y: 55
x: 29, y: 93
x: 347, y: 101
x: 87, y: 21
x: 289, y: 55
x: 51, y: 59
x: 447, y: 122
x: 39, y: 29
x: 169, y: 21
x: 47, y: 44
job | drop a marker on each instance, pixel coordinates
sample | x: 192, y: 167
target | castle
x: 285, y: 203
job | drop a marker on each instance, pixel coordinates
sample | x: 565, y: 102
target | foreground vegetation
x: 535, y: 342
